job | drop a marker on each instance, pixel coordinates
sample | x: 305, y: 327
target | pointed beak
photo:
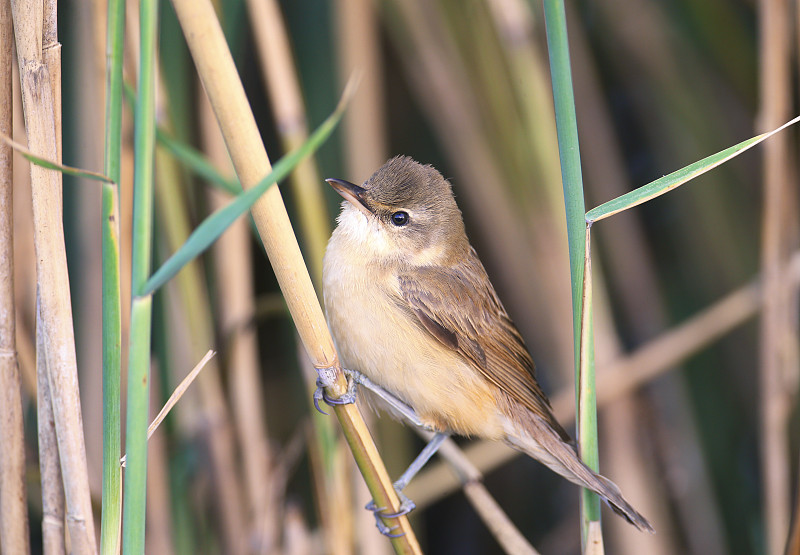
x: 352, y: 193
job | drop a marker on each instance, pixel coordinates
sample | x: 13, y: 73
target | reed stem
x: 134, y: 501
x: 111, y: 518
x: 569, y: 153
x: 13, y: 509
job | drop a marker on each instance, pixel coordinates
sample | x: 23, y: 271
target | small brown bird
x: 410, y: 306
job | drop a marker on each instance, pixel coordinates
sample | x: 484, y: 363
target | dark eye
x: 400, y: 218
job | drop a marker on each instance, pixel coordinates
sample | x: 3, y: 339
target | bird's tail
x: 555, y: 453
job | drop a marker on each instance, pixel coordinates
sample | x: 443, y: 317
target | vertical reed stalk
x: 358, y: 43
x: 775, y: 393
x: 111, y: 518
x: 225, y: 91
x: 51, y: 269
x: 287, y: 105
x: 278, y: 67
x: 141, y: 307
x: 235, y: 301
x: 13, y: 508
x: 192, y: 295
x: 569, y: 153
x: 53, y: 538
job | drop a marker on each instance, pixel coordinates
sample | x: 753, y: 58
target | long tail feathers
x: 553, y: 452
x: 610, y: 493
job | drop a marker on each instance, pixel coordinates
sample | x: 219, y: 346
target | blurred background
x: 244, y: 464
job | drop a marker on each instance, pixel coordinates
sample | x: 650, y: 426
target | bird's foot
x: 406, y: 506
x: 324, y: 380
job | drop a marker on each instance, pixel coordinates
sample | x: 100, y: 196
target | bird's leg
x: 424, y: 456
x: 355, y: 379
x: 402, y: 408
x: 406, y: 504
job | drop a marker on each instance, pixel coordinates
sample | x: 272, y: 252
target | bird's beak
x: 351, y: 192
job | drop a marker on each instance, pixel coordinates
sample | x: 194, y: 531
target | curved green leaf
x: 214, y: 225
x: 199, y: 164
x: 51, y: 165
x: 676, y: 178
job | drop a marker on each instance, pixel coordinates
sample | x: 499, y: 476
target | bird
x: 411, y: 307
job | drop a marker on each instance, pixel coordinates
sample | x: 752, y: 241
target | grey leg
x: 406, y: 505
x: 393, y: 401
x: 424, y: 456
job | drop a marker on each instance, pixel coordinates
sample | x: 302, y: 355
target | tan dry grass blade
x: 175, y: 397
x: 52, y: 276
x: 220, y: 79
x: 13, y: 509
x: 178, y: 393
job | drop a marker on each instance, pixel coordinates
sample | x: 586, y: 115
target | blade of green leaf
x: 188, y: 156
x: 676, y: 178
x: 50, y: 165
x: 213, y: 226
x: 197, y: 163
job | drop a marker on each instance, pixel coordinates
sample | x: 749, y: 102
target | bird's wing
x: 459, y: 307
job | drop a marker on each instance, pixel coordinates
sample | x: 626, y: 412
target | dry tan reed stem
x: 286, y: 99
x: 359, y: 48
x: 484, y: 504
x: 195, y: 314
x: 218, y: 74
x: 26, y: 357
x: 619, y: 378
x: 52, y: 275
x: 13, y: 507
x: 775, y: 392
x: 332, y: 485
x: 53, y: 539
x: 233, y: 267
x: 594, y: 539
x: 51, y: 58
x: 287, y: 104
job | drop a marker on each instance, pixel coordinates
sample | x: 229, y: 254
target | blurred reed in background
x: 702, y: 435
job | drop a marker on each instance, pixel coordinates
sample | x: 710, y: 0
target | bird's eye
x: 400, y: 218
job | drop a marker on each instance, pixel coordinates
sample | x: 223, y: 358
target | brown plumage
x: 410, y: 306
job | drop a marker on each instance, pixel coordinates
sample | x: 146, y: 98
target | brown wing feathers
x: 484, y: 335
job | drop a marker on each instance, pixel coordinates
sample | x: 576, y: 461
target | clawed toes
x: 319, y: 395
x: 406, y: 506
x: 348, y: 398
